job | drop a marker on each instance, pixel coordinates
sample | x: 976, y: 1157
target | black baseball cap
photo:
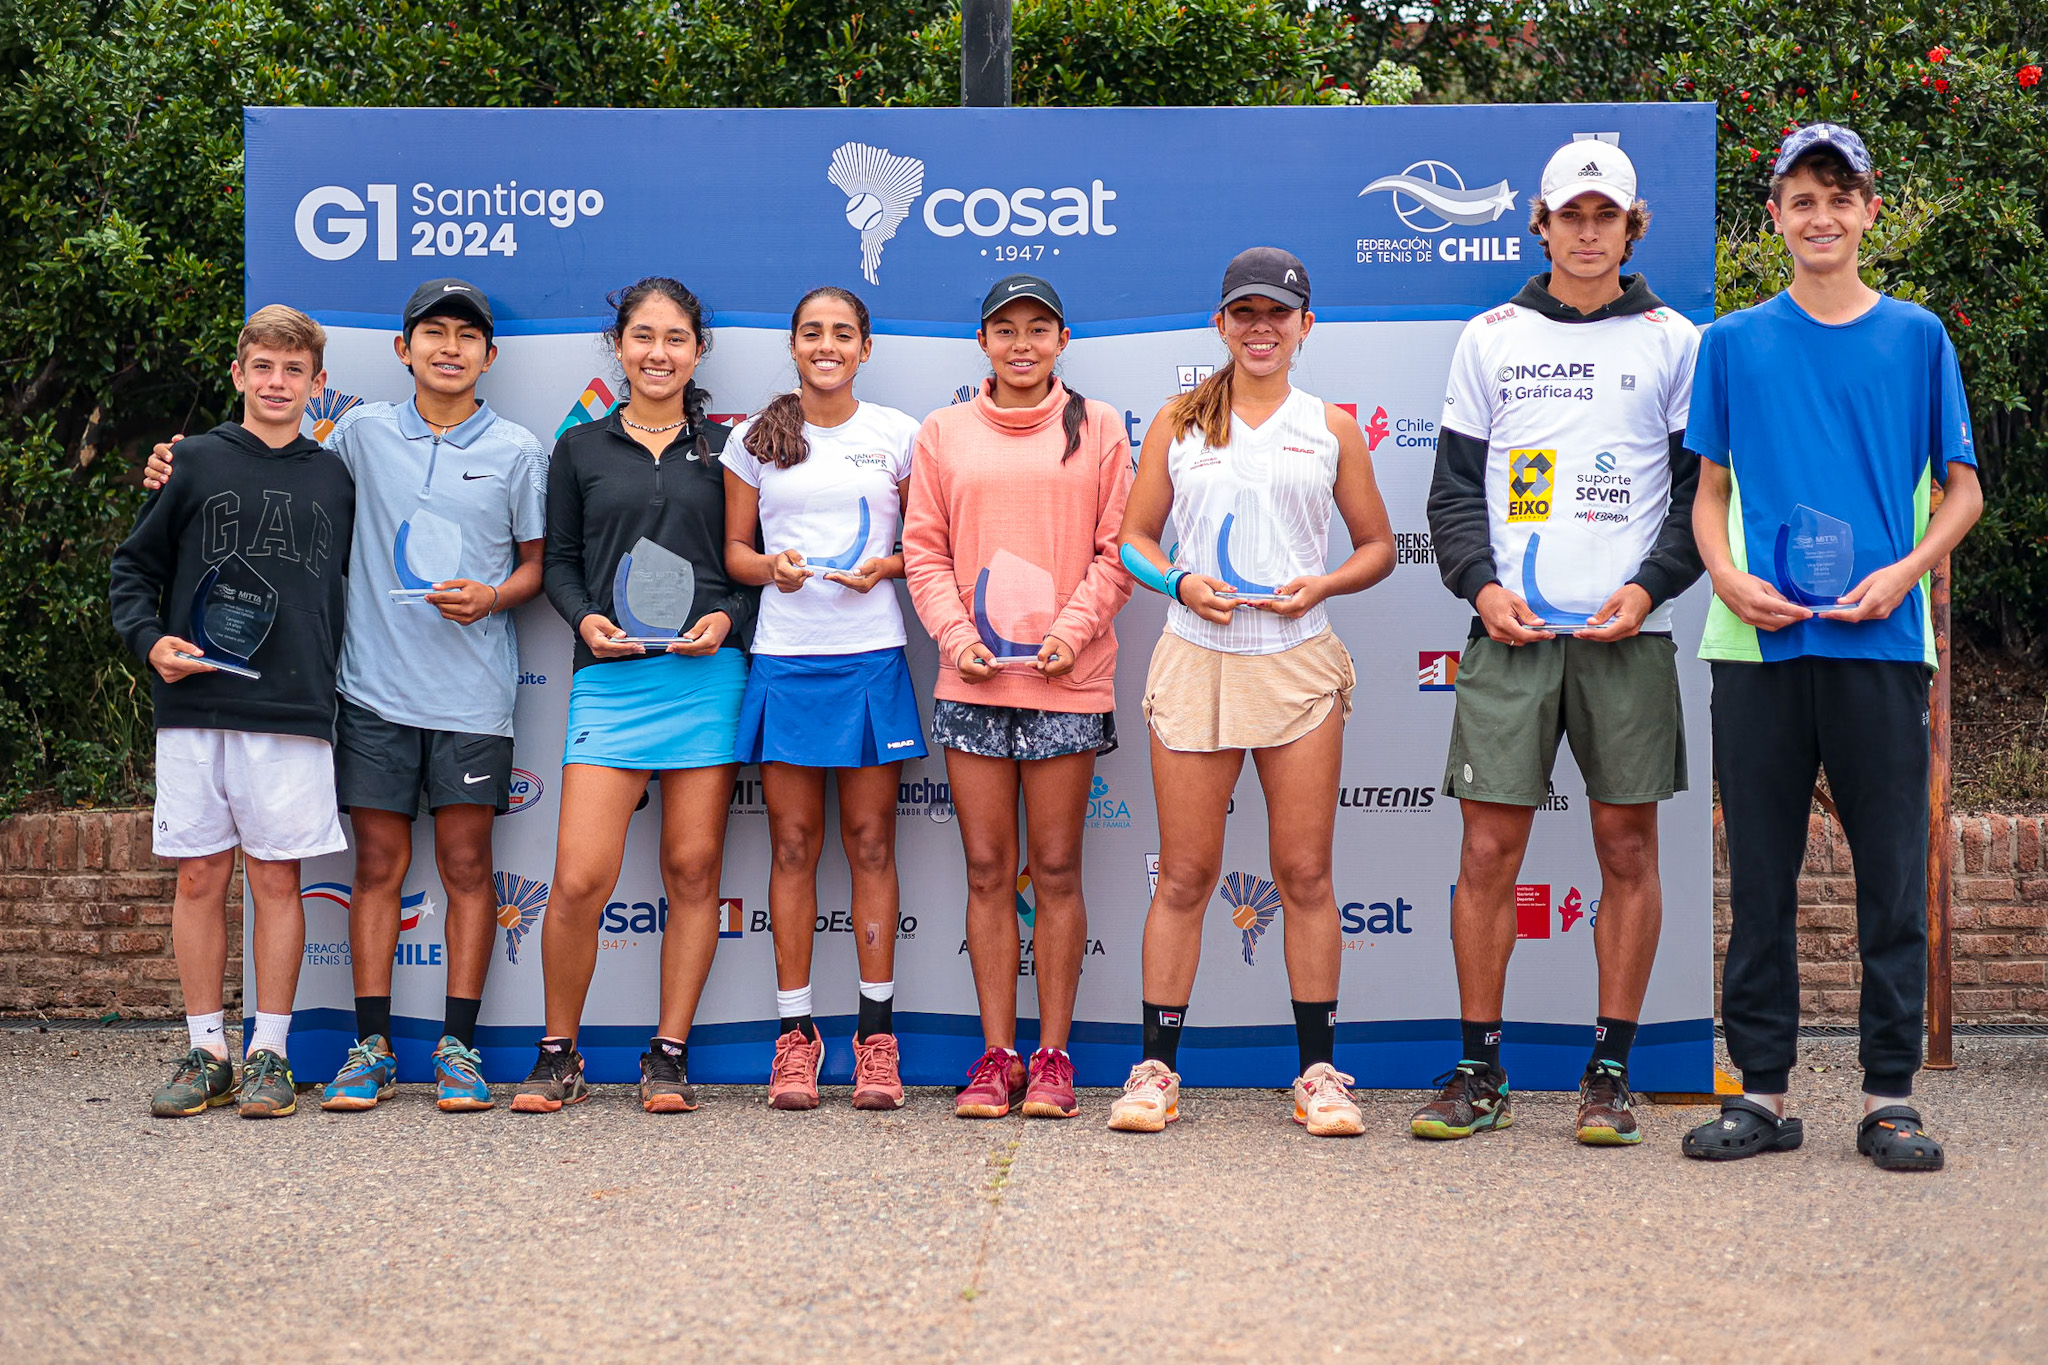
x: 448, y: 298
x: 1266, y: 272
x: 1021, y: 287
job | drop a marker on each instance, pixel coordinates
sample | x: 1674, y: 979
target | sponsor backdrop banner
x: 1410, y: 221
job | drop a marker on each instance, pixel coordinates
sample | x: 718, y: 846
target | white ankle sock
x: 878, y: 990
x: 791, y: 1004
x: 1774, y: 1103
x: 209, y: 1031
x: 271, y: 1030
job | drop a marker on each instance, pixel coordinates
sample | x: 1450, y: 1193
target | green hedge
x: 120, y: 172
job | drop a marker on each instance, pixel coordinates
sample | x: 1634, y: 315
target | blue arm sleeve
x: 1145, y: 571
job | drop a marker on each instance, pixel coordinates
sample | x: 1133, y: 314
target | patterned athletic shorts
x: 1014, y: 732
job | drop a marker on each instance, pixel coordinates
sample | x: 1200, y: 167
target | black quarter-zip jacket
x: 605, y: 491
x: 288, y: 514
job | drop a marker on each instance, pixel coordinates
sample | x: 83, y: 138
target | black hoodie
x: 1459, y: 533
x: 286, y: 516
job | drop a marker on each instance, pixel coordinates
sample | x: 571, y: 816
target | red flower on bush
x: 1962, y: 317
x: 1937, y: 54
x: 2030, y: 75
x: 1941, y: 87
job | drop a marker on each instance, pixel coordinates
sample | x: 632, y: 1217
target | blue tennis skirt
x: 830, y: 710
x: 664, y: 711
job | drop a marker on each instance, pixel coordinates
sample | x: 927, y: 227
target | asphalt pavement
x: 738, y: 1233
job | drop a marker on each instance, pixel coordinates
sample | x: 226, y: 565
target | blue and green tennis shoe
x: 459, y: 1078
x: 370, y: 1074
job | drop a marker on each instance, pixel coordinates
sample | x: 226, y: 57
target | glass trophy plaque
x: 1816, y: 558
x: 1597, y: 567
x: 848, y: 559
x: 653, y: 593
x: 427, y: 550
x: 233, y: 609
x: 1242, y: 589
x: 1014, y: 604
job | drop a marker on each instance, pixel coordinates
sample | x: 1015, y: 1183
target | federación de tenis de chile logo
x: 879, y: 187
x: 1430, y: 196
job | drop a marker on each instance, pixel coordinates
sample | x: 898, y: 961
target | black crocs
x: 1745, y: 1128
x: 1893, y: 1138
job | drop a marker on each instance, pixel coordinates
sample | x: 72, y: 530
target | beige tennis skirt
x: 1202, y: 700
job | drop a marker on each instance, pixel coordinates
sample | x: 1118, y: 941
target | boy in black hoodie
x: 1563, y: 440
x: 240, y: 562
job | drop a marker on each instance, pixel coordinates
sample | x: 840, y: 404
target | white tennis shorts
x: 272, y: 794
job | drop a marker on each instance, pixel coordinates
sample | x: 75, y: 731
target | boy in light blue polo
x: 450, y: 516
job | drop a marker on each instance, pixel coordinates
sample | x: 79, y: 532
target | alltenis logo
x: 879, y: 187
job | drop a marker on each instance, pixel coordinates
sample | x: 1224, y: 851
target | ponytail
x: 776, y: 434
x: 695, y: 400
x: 1206, y: 406
x: 1072, y: 417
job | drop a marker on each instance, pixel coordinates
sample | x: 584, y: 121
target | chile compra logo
x: 521, y: 900
x: 410, y: 908
x: 1253, y: 903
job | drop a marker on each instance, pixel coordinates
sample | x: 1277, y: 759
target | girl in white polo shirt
x: 822, y: 475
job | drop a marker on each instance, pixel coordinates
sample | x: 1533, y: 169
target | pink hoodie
x: 989, y: 494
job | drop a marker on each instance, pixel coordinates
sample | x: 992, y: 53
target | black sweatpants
x: 1775, y: 724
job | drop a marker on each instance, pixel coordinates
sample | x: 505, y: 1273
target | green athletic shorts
x: 1617, y: 703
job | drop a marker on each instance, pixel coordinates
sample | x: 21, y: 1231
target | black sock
x: 1612, y: 1038
x: 1481, y: 1042
x: 1162, y: 1033
x: 679, y: 1051
x: 459, y: 1019
x: 802, y: 1024
x: 876, y: 1016
x: 373, y: 1016
x: 1315, y: 1032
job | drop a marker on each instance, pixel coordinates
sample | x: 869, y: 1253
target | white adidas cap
x: 1589, y: 166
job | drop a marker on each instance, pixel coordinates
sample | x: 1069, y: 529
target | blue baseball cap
x: 1801, y: 141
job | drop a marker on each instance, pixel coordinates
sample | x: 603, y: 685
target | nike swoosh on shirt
x: 469, y: 781
x: 467, y: 478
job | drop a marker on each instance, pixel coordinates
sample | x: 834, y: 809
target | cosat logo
x: 965, y: 393
x: 1370, y: 920
x: 527, y: 790
x: 1436, y: 670
x: 323, y: 412
x: 521, y: 902
x: 595, y: 402
x: 1253, y: 903
x: 879, y: 187
x: 1428, y: 197
x: 1104, y: 810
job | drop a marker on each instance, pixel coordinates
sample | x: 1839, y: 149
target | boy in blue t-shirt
x: 1823, y: 417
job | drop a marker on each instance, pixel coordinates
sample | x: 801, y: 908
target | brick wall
x: 85, y: 919
x: 85, y: 914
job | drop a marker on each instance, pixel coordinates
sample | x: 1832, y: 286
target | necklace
x: 652, y: 431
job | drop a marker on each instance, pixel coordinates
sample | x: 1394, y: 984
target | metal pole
x: 1940, y: 996
x: 984, y: 53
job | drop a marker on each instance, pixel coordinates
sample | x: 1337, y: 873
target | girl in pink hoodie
x: 1010, y: 548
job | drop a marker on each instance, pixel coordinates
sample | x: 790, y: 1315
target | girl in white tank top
x: 1249, y: 468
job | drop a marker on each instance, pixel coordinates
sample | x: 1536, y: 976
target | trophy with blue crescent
x: 427, y: 550
x: 233, y: 609
x: 848, y: 559
x: 1815, y: 558
x: 1021, y: 594
x: 1242, y: 589
x: 1557, y: 619
x: 653, y: 592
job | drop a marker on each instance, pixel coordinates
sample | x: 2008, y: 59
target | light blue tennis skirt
x: 830, y: 710
x: 664, y: 711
